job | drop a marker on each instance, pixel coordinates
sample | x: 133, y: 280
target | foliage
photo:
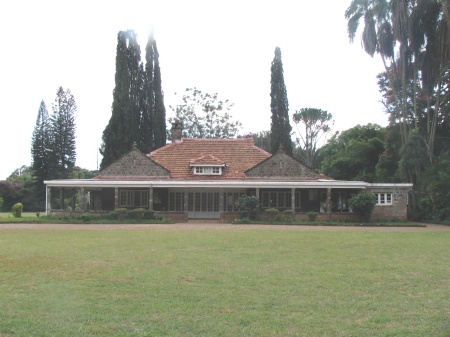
x: 249, y: 206
x: 315, y: 124
x: 137, y: 213
x: 17, y: 210
x: 262, y: 139
x: 363, y: 205
x: 41, y: 151
x: 204, y: 115
x: 413, y: 41
x: 288, y: 214
x: 152, y: 127
x: 280, y: 128
x: 273, y: 214
x: 138, y: 112
x: 1, y: 202
x: 62, y: 134
x: 353, y: 154
x: 312, y: 216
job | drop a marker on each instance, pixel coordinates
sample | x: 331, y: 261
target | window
x: 208, y: 170
x: 384, y: 198
x: 133, y: 198
x: 279, y: 200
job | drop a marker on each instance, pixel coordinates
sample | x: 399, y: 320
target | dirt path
x: 218, y: 226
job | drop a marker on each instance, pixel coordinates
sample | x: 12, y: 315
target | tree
x: 41, y: 151
x: 363, y: 205
x: 138, y: 112
x: 262, y: 139
x: 204, y: 115
x: 279, y: 106
x: 316, y: 124
x: 158, y: 110
x: 123, y: 127
x: 353, y: 154
x: 62, y: 133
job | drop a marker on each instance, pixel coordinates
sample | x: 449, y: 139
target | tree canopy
x: 204, y: 115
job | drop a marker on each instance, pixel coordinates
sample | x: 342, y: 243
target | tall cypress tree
x: 279, y: 106
x: 159, y: 110
x: 62, y: 134
x: 123, y: 127
x: 40, y: 153
x: 153, y: 119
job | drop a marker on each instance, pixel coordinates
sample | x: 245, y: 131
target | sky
x: 223, y: 47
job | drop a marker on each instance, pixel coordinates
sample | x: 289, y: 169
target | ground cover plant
x: 223, y: 283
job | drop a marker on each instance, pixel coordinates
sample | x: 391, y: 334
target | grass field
x: 224, y: 283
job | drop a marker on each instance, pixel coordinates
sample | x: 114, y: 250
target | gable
x: 282, y: 165
x: 134, y: 163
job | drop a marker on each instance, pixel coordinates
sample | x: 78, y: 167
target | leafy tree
x: 279, y: 106
x: 41, y: 146
x: 249, y: 206
x: 315, y: 124
x: 363, y: 205
x: 19, y: 187
x: 1, y: 202
x: 62, y: 133
x: 204, y: 115
x: 353, y: 154
x: 262, y: 139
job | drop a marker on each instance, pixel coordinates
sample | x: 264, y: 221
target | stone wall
x: 281, y: 165
x: 134, y: 163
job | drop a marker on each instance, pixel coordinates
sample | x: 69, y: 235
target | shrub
x: 120, y: 213
x: 363, y: 205
x: 288, y: 214
x: 17, y: 210
x: 87, y: 217
x: 249, y: 206
x: 149, y: 215
x: 1, y: 202
x: 137, y: 213
x: 312, y: 216
x: 272, y: 214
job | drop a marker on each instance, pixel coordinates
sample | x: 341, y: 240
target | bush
x: 86, y: 217
x: 17, y: 210
x: 363, y: 205
x: 312, y: 216
x: 149, y: 215
x: 249, y: 206
x: 288, y: 214
x: 272, y: 214
x: 137, y: 213
x: 120, y: 213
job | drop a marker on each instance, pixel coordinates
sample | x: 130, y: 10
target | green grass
x: 4, y: 215
x: 224, y: 283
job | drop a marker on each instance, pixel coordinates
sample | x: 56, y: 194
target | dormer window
x: 208, y: 170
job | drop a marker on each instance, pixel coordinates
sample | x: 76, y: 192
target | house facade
x: 192, y: 179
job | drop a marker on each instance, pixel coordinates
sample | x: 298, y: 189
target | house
x: 204, y: 178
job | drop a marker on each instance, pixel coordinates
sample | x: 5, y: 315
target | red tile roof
x: 207, y: 160
x: 239, y: 155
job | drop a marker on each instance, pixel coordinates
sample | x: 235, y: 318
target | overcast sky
x: 217, y: 46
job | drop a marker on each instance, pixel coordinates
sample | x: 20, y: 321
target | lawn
x: 224, y: 283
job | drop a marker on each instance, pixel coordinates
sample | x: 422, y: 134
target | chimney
x: 177, y: 130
